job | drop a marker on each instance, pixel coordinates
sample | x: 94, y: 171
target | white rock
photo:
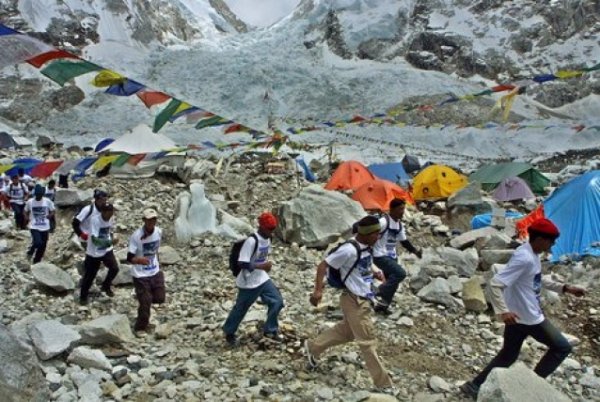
x: 51, y: 338
x: 50, y: 275
x: 438, y: 384
x: 87, y: 358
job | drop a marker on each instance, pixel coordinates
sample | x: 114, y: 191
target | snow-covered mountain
x: 327, y: 60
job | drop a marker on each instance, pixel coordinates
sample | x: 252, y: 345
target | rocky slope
x: 429, y: 347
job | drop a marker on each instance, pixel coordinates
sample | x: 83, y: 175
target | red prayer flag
x: 503, y: 87
x: 135, y: 159
x: 45, y: 169
x: 39, y: 60
x: 152, y: 98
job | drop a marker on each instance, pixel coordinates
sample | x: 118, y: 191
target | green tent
x: 491, y: 175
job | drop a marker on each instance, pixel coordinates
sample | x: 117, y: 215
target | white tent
x: 140, y: 140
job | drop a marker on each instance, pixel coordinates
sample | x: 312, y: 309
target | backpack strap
x: 358, y: 254
x: 253, y: 235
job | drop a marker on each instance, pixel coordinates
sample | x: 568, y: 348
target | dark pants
x: 514, y: 336
x: 39, y: 240
x: 394, y: 274
x: 269, y: 294
x: 91, y: 265
x: 19, y: 215
x: 52, y: 220
x: 148, y: 290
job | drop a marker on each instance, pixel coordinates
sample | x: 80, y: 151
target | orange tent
x: 349, y: 175
x: 377, y: 194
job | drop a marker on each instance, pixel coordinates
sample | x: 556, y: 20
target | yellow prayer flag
x: 106, y: 78
x: 5, y: 168
x: 564, y: 74
x: 104, y: 160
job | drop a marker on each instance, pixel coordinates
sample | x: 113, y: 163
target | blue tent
x: 575, y: 209
x: 103, y: 144
x: 484, y: 220
x: 393, y: 172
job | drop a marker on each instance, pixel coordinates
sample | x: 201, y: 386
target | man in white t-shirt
x: 253, y: 282
x: 385, y: 255
x: 99, y: 251
x: 148, y: 279
x: 81, y: 222
x: 4, y: 183
x: 355, y: 277
x: 25, y: 178
x: 38, y: 212
x: 515, y: 296
x: 18, y: 193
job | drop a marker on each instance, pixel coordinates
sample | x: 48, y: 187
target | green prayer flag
x: 165, y: 114
x: 121, y: 160
x: 61, y: 71
x: 212, y: 121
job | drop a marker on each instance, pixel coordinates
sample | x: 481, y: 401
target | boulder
x: 167, y: 255
x: 21, y: 379
x: 195, y: 169
x: 473, y: 296
x: 89, y: 358
x: 469, y: 196
x: 68, y: 197
x: 238, y: 225
x: 50, y: 338
x: 317, y: 217
x: 51, y: 276
x: 438, y: 291
x: 123, y: 277
x: 20, y: 328
x: 497, y: 240
x: 6, y: 226
x: 106, y: 329
x: 465, y: 262
x: 491, y: 257
x: 4, y: 246
x: 518, y: 383
x: 469, y: 238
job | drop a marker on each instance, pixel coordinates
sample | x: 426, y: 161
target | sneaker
x: 311, y: 361
x: 108, y: 291
x: 274, y: 336
x: 382, y: 310
x: 470, y: 389
x: 232, y: 340
x: 83, y: 301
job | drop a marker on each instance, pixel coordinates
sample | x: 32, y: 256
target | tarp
x: 393, y: 172
x: 491, y: 175
x: 512, y: 188
x: 140, y: 140
x: 308, y: 174
x: 437, y: 181
x: 350, y: 175
x: 377, y: 194
x: 7, y: 141
x: 103, y: 144
x: 575, y: 210
x: 410, y: 163
x: 484, y: 220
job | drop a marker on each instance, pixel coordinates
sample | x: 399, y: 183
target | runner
x: 38, y: 211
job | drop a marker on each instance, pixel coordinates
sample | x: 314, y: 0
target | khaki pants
x: 356, y: 326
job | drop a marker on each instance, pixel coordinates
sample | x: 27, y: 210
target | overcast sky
x: 261, y: 12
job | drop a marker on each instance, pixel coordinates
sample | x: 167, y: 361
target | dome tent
x: 350, y: 175
x: 437, y: 181
x: 377, y: 194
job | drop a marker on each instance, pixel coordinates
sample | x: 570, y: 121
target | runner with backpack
x: 248, y: 262
x: 349, y: 268
x: 385, y: 255
x: 18, y: 193
x: 82, y: 221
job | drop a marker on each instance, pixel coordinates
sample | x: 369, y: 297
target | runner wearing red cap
x: 515, y: 296
x: 253, y: 282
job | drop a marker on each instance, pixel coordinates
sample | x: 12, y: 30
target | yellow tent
x: 437, y: 181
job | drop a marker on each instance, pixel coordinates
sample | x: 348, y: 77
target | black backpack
x: 334, y: 276
x: 234, y: 254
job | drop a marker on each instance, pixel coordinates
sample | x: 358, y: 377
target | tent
x: 491, y: 175
x: 103, y: 144
x: 512, y: 188
x: 139, y: 141
x: 350, y: 175
x: 410, y: 163
x: 393, y: 172
x: 575, y: 210
x: 377, y: 194
x: 437, y: 181
x: 7, y: 141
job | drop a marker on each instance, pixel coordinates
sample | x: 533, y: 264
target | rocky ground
x: 429, y: 347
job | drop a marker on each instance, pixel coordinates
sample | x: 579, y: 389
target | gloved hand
x: 84, y: 236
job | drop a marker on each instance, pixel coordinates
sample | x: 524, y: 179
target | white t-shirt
x: 522, y: 277
x: 17, y: 193
x: 25, y: 179
x: 247, y: 279
x: 50, y: 193
x: 85, y: 218
x: 38, y: 213
x: 389, y: 237
x: 100, y: 229
x: 361, y: 278
x: 147, y: 247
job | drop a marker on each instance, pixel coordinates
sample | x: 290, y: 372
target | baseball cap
x: 150, y: 213
x: 100, y: 193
